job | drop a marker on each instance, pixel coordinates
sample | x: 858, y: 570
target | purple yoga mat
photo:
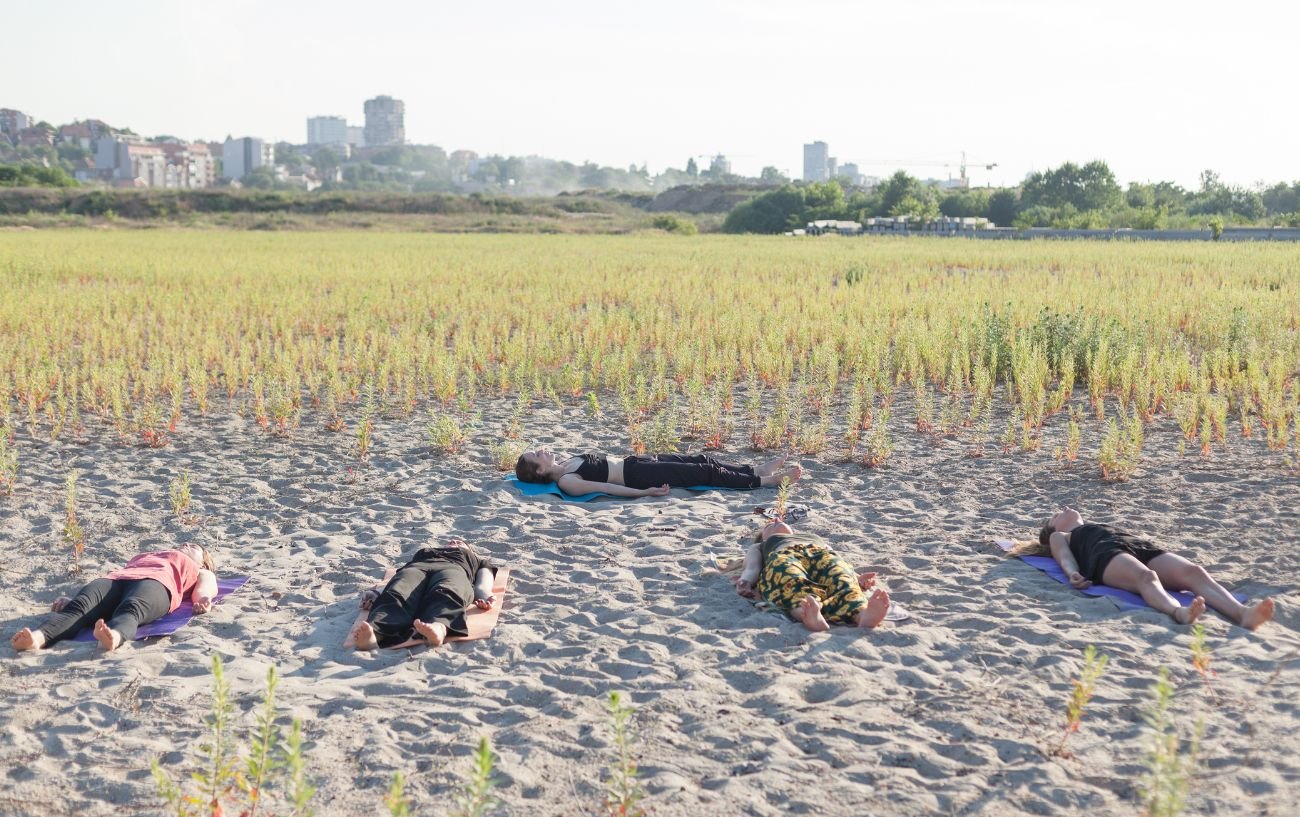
x: 1122, y: 598
x: 177, y: 619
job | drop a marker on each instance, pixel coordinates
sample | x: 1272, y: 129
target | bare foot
x: 107, y: 637
x: 810, y: 613
x: 363, y: 636
x: 28, y: 639
x: 877, y: 609
x: 866, y: 580
x: 792, y: 472
x: 768, y: 468
x: 1257, y: 613
x: 434, y: 633
x: 1186, y: 615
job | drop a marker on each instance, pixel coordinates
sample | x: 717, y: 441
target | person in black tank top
x: 647, y: 475
x: 1103, y: 554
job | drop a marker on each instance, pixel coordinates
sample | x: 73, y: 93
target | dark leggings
x: 687, y: 471
x: 427, y: 591
x: 124, y: 603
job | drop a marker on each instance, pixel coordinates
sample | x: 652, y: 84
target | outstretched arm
x: 484, y: 598
x: 1061, y: 553
x: 748, y: 580
x: 577, y: 485
x: 205, y: 591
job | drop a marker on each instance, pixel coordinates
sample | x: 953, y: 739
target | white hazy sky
x: 1160, y: 90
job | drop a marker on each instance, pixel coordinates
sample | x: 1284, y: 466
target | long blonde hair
x: 1028, y: 547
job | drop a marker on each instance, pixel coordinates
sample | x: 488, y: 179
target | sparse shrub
x: 623, y: 790
x: 271, y: 770
x: 1169, y: 764
x: 180, y: 495
x: 674, y: 224
x: 1201, y: 652
x: 8, y: 465
x: 879, y: 443
x: 476, y: 798
x: 505, y: 454
x: 396, y: 801
x: 1094, y: 664
x: 446, y: 434
x: 73, y: 534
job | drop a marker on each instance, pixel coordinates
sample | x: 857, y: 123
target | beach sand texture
x: 739, y: 711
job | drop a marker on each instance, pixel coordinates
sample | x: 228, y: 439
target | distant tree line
x: 1070, y: 196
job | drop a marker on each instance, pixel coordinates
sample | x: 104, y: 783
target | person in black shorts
x: 427, y: 597
x: 647, y: 475
x: 1101, y: 554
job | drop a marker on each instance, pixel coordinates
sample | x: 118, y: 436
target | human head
x: 1064, y: 520
x: 535, y: 465
x: 199, y: 554
x: 777, y: 527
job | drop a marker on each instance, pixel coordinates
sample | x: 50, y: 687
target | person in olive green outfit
x: 813, y: 584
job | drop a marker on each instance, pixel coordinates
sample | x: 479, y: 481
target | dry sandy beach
x: 739, y: 711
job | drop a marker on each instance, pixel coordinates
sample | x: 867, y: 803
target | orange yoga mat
x: 480, y: 623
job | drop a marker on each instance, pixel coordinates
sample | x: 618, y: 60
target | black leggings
x: 687, y: 471
x: 427, y: 591
x: 124, y: 603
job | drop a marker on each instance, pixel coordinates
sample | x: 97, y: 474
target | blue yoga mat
x: 538, y: 488
x: 1122, y: 598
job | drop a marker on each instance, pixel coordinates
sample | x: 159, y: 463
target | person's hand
x: 744, y: 588
x: 485, y: 602
x: 201, y: 603
x: 58, y: 604
x: 866, y: 581
x: 1077, y: 581
x: 662, y: 490
x: 368, y: 598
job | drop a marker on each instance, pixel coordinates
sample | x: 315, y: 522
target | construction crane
x: 964, y: 179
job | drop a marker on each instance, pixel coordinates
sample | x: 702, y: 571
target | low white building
x: 239, y: 157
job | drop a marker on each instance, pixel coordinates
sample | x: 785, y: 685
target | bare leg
x: 1177, y: 573
x: 792, y: 472
x: 876, y: 610
x: 363, y: 637
x: 107, y: 637
x: 770, y: 467
x: 434, y: 633
x: 28, y: 639
x: 810, y: 613
x: 1127, y: 573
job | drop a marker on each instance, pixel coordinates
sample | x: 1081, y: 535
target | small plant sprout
x: 593, y: 405
x: 783, y: 492
x: 180, y: 496
x: 73, y: 534
x: 476, y: 798
x: 1170, y: 766
x: 1201, y: 655
x: 396, y: 801
x: 365, y: 429
x: 1094, y: 664
x: 264, y: 760
x: 8, y: 465
x: 623, y: 791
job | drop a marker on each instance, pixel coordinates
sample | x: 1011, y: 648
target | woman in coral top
x: 148, y: 588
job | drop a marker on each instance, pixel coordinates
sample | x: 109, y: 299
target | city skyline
x: 888, y: 88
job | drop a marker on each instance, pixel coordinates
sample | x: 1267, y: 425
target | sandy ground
x: 739, y: 711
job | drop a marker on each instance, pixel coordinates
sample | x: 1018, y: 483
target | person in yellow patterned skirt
x: 813, y: 584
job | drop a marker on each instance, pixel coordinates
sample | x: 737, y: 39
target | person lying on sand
x: 649, y: 475
x: 813, y: 584
x: 427, y: 597
x: 1100, y: 554
x: 148, y: 588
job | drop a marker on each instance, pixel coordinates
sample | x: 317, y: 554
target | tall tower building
x: 385, y: 121
x: 816, y: 162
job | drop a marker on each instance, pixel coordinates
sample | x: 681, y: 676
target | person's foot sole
x: 1189, y: 614
x: 434, y: 633
x: 1258, y: 613
x: 768, y: 468
x: 27, y: 639
x: 107, y: 637
x: 877, y: 609
x: 363, y: 637
x: 810, y: 614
